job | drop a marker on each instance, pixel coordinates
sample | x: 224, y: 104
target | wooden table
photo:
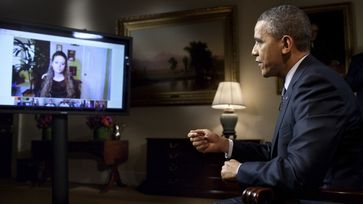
x: 111, y: 153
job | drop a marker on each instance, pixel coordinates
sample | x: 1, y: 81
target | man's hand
x: 206, y: 141
x: 230, y: 169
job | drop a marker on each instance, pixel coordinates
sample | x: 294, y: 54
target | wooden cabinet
x: 174, y: 167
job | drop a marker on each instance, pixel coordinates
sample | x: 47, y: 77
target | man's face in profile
x: 268, y: 51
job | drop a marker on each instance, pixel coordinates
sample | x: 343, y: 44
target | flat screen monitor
x: 56, y: 70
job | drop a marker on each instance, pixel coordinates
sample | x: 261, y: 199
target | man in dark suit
x: 316, y: 141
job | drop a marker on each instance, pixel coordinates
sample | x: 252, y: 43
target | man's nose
x: 254, y: 51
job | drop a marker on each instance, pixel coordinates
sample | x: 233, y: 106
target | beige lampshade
x: 228, y: 96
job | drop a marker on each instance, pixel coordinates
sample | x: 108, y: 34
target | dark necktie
x: 283, y: 98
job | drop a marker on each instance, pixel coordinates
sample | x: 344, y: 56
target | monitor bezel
x: 68, y: 32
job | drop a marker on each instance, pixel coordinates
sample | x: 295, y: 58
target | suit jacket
x: 316, y: 140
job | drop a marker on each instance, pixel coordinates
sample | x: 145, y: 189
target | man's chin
x: 265, y: 74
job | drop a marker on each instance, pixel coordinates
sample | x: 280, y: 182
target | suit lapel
x: 285, y: 102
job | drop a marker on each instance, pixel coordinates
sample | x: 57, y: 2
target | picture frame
x: 334, y: 23
x: 180, y: 57
x: 332, y: 35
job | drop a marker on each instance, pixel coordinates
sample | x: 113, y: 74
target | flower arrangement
x: 44, y: 120
x: 95, y: 122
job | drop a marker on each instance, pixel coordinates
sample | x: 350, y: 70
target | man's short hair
x: 288, y: 20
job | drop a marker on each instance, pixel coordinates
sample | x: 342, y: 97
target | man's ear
x: 287, y: 42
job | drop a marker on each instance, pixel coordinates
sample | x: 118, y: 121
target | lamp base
x: 232, y: 137
x: 229, y: 121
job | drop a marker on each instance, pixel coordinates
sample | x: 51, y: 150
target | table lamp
x: 229, y: 98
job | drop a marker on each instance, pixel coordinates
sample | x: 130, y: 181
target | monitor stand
x: 60, y: 159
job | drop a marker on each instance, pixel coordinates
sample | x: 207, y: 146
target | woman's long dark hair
x: 48, y: 80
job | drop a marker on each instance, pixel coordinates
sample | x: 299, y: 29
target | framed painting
x: 180, y: 57
x: 331, y: 35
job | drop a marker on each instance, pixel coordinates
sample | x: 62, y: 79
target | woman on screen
x: 57, y: 82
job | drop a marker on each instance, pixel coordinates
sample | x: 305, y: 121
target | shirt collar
x: 292, y: 71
